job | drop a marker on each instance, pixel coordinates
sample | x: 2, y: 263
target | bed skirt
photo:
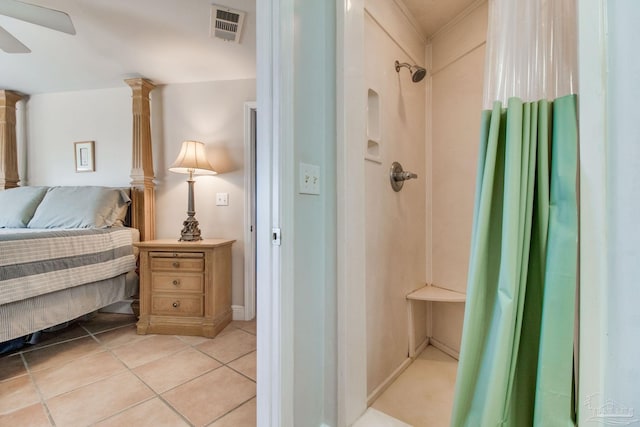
x: 23, y: 317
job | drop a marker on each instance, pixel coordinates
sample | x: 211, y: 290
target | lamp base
x: 190, y: 232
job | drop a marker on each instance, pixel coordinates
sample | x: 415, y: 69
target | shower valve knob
x: 403, y: 176
x: 398, y: 176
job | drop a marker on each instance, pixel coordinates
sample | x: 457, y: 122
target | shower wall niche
x: 373, y: 127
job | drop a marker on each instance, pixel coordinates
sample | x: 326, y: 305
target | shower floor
x: 422, y: 396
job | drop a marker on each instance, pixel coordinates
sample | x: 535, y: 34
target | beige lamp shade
x: 192, y: 159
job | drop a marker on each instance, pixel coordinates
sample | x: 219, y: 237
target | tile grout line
x: 31, y: 349
x: 159, y: 395
x: 156, y: 394
x: 131, y: 371
x: 22, y: 354
x: 240, y: 357
x: 40, y: 396
x: 238, y: 372
x: 123, y: 410
x: 89, y: 334
x: 230, y: 411
x: 102, y: 346
x: 222, y: 364
x: 180, y: 414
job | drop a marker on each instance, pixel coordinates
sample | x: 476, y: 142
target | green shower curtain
x: 516, y: 358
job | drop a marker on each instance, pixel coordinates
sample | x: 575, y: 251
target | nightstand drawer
x: 176, y: 305
x: 169, y: 282
x: 174, y: 261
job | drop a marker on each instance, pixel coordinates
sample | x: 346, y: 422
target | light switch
x: 222, y: 199
x: 309, y: 179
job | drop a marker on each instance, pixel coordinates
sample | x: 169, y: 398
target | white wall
x: 313, y: 247
x: 457, y: 79
x: 610, y: 200
x: 211, y: 112
x: 623, y: 349
x: 394, y: 221
x: 55, y: 121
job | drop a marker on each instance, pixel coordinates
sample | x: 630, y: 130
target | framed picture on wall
x: 85, y: 157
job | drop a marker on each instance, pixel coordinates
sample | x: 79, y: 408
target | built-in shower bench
x: 428, y: 294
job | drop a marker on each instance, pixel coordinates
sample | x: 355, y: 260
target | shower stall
x: 421, y: 96
x: 395, y: 222
x: 422, y: 88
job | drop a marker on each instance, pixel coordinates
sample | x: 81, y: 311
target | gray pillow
x: 17, y: 205
x: 80, y: 207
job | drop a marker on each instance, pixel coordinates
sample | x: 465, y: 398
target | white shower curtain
x: 532, y: 50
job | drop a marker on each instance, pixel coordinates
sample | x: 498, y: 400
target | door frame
x: 351, y: 134
x: 250, y: 161
x: 274, y: 199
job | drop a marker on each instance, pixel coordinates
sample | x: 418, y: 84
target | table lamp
x: 192, y: 159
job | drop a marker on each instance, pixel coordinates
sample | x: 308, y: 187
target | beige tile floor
x: 101, y: 373
x: 422, y: 395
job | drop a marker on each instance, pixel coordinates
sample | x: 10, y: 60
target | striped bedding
x: 44, y: 261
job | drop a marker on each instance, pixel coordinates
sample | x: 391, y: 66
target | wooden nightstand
x: 185, y: 287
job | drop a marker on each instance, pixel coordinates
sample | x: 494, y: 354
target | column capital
x: 144, y: 86
x: 8, y: 98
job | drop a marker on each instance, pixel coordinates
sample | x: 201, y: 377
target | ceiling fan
x: 39, y: 15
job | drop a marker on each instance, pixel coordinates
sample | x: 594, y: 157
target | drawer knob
x: 176, y: 304
x: 176, y: 264
x: 176, y: 282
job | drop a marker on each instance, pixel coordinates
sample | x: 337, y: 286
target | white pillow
x: 17, y: 205
x: 80, y: 207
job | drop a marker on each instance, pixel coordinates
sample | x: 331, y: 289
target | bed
x: 66, y: 251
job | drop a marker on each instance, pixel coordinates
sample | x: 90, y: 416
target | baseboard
x: 386, y: 383
x: 238, y: 312
x: 120, y: 307
x: 374, y: 418
x: 444, y: 348
x: 421, y: 347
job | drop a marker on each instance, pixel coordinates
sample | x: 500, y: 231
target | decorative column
x: 8, y: 145
x: 143, y: 215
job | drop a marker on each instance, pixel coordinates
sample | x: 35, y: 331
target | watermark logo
x: 608, y: 411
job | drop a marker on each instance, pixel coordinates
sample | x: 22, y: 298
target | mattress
x: 39, y: 262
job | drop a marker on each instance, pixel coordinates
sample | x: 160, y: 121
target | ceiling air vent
x: 226, y: 24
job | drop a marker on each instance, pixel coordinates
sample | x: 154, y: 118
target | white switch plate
x: 309, y: 179
x: 222, y: 199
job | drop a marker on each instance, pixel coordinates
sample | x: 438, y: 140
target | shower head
x: 417, y: 72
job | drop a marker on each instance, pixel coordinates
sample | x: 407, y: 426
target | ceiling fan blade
x: 38, y: 15
x: 10, y: 44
